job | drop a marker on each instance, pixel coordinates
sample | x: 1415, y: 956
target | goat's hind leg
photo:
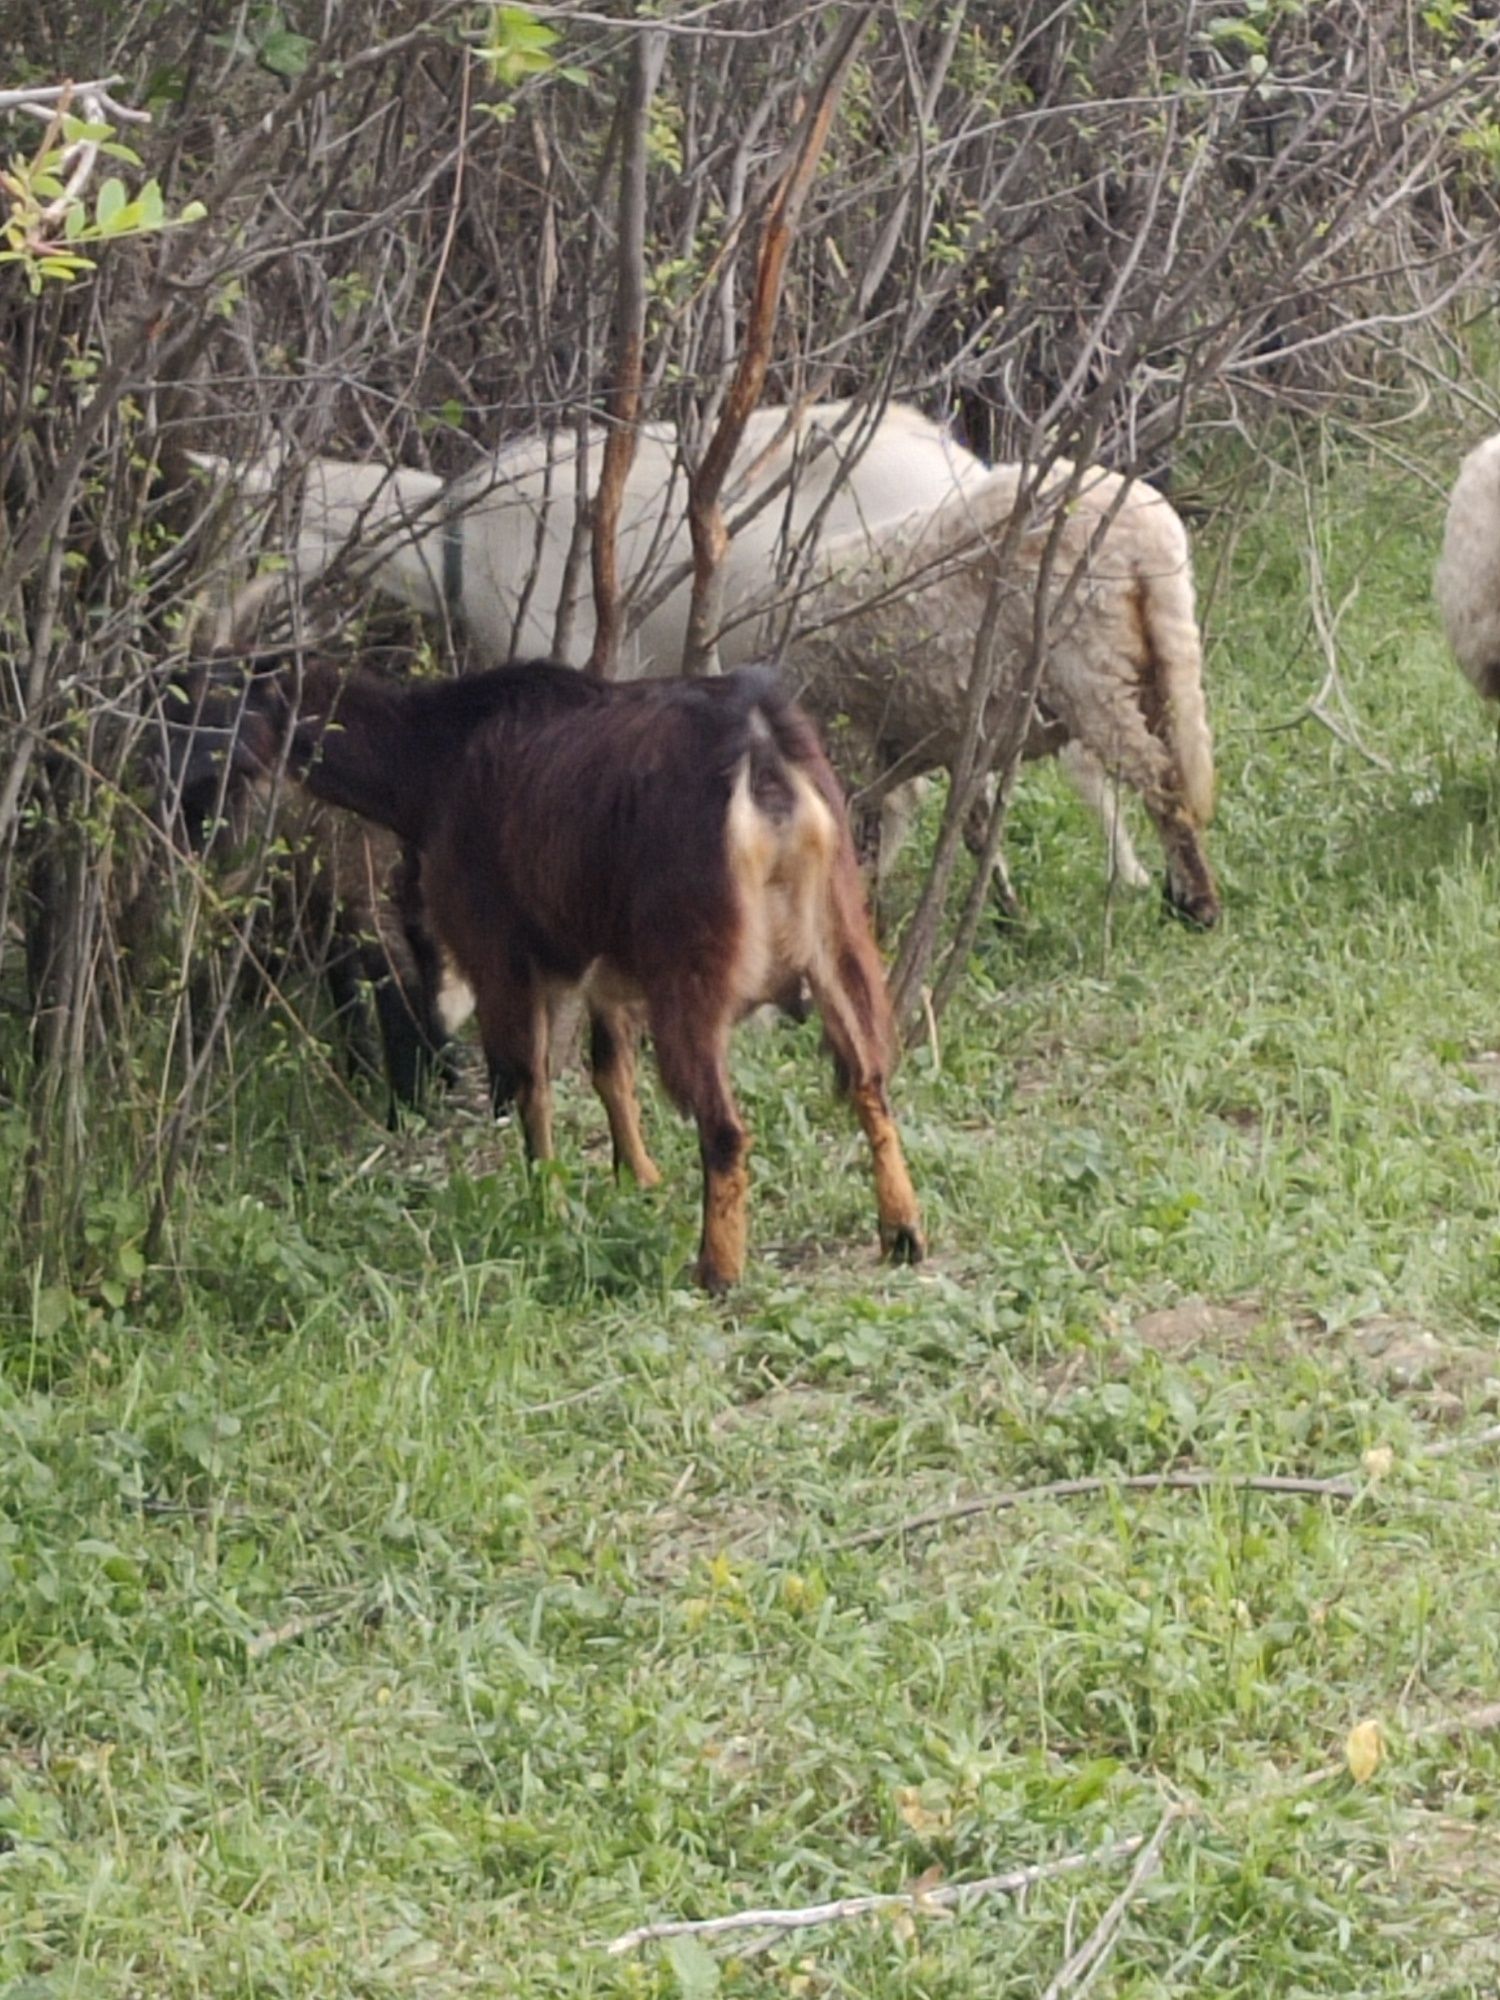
x: 612, y: 1044
x: 692, y: 1053
x: 513, y: 1028
x: 849, y: 988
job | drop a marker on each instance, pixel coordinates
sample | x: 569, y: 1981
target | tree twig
x: 705, y: 515
x: 946, y: 1896
x: 1134, y: 1482
x: 646, y: 58
x: 1078, y: 1970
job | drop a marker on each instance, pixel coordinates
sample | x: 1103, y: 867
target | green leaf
x: 518, y: 45
x: 695, y: 1967
x: 285, y: 53
x: 111, y: 200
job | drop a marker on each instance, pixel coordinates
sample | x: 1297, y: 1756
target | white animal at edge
x: 1467, y: 581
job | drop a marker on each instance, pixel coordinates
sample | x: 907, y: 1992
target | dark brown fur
x: 674, y: 846
x: 344, y: 899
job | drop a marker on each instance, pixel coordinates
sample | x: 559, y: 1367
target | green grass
x: 412, y: 1583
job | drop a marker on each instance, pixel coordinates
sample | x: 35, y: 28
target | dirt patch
x: 1483, y: 1071
x: 1399, y: 1356
x: 684, y: 1542
x: 798, y: 1405
x: 1195, y: 1325
x: 1447, y: 1377
x: 1449, y: 1868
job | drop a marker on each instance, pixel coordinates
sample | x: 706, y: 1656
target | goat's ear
x: 253, y: 746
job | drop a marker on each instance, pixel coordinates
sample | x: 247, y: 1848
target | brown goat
x: 676, y: 845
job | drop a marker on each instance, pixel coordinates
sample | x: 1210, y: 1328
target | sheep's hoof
x: 904, y: 1243
x: 1200, y: 910
x: 1007, y: 911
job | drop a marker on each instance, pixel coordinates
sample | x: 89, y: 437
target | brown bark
x: 646, y: 60
x: 705, y: 514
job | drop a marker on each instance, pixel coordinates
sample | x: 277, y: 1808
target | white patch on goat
x: 780, y: 868
x: 455, y: 998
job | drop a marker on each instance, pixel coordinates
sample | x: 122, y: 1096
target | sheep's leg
x: 850, y: 992
x: 1190, y: 891
x: 513, y: 1031
x: 976, y: 827
x: 1101, y: 794
x: 612, y: 1061
x: 692, y: 1052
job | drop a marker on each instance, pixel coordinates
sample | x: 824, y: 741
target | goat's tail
x: 804, y: 895
x: 1172, y: 669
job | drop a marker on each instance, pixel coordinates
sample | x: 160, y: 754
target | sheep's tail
x: 1171, y: 684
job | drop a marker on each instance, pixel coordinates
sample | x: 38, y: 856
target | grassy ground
x: 412, y: 1585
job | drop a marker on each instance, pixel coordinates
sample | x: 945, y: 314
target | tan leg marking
x: 895, y: 1197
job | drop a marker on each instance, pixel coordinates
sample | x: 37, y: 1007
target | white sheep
x: 891, y: 619
x: 1467, y: 581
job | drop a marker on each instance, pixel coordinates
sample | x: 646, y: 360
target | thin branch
x: 1078, y: 1970
x: 947, y: 1896
x: 1134, y: 1482
x: 705, y: 515
x: 648, y: 52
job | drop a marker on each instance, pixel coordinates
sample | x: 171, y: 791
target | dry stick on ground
x: 646, y: 58
x: 1151, y: 1482
x: 1136, y: 1482
x: 705, y: 515
x: 1080, y: 1966
x: 1012, y: 1883
x: 1078, y: 1970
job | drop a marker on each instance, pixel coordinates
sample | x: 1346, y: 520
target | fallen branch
x: 1081, y: 1965
x: 1447, y: 1447
x: 368, y: 1614
x: 914, y: 1902
x: 1135, y: 1482
x: 1187, y: 1481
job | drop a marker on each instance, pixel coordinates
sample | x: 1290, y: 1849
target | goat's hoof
x: 718, y: 1284
x: 904, y: 1243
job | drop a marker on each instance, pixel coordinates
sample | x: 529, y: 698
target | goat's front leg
x: 612, y: 1038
